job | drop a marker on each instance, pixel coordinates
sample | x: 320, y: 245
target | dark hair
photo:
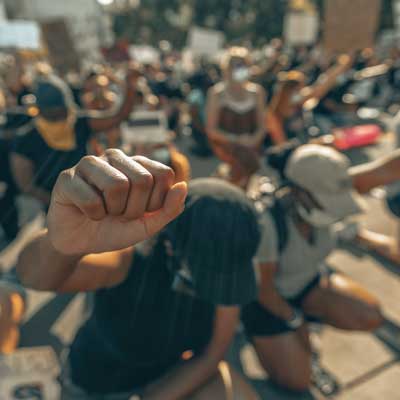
x: 277, y: 157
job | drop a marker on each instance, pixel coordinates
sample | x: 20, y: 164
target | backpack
x: 267, y: 199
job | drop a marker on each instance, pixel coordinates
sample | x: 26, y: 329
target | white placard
x: 144, y: 54
x: 301, y: 29
x: 20, y: 35
x: 30, y: 373
x: 146, y: 128
x: 205, y: 42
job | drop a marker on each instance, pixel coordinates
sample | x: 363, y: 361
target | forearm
x: 383, y: 171
x: 104, y: 124
x: 40, y: 194
x: 183, y: 380
x: 275, y: 303
x: 221, y: 136
x: 40, y: 266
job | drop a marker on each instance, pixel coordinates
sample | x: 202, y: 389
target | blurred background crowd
x: 205, y: 87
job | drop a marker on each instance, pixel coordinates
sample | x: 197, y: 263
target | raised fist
x: 112, y: 202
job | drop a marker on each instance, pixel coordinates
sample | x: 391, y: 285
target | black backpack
x: 268, y: 198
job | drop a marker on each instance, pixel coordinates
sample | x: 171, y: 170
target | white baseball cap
x: 324, y: 172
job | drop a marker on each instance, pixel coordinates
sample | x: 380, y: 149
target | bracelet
x: 296, y: 321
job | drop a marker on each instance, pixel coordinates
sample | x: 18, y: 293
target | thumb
x: 173, y: 206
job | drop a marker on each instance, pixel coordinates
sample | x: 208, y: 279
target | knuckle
x: 93, y: 206
x: 144, y: 181
x: 110, y: 153
x: 118, y: 186
x: 165, y: 175
x: 87, y: 160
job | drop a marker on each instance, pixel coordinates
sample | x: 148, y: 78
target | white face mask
x: 296, y: 99
x: 317, y: 218
x: 161, y: 155
x: 240, y: 74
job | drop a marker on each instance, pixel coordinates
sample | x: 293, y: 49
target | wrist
x: 49, y: 244
x: 296, y: 321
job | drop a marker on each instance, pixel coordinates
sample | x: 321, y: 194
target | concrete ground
x: 366, y: 366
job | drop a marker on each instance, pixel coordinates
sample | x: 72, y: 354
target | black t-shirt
x: 48, y: 162
x: 138, y: 330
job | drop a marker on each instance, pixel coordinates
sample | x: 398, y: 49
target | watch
x: 296, y: 321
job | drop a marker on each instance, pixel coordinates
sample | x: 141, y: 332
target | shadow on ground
x: 37, y: 331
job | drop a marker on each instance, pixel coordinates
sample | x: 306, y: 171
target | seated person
x: 320, y: 190
x: 59, y: 136
x: 165, y: 312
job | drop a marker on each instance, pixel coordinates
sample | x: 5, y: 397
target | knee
x: 298, y: 381
x: 370, y: 319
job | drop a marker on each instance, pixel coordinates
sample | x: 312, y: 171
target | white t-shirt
x: 300, y: 262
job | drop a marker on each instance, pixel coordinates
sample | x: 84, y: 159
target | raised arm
x: 189, y: 376
x: 327, y: 81
x: 102, y: 205
x: 383, y: 171
x: 109, y: 122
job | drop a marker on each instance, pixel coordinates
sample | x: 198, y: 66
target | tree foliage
x: 243, y: 21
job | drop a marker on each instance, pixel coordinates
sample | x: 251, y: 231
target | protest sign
x: 205, y: 42
x: 62, y: 52
x: 29, y: 373
x: 146, y: 127
x: 301, y: 28
x: 144, y: 54
x: 350, y: 25
x: 20, y: 35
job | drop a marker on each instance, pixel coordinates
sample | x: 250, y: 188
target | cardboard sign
x: 29, y: 373
x: 62, y: 52
x: 350, y: 24
x: 205, y: 42
x: 301, y: 28
x: 144, y: 54
x: 24, y: 35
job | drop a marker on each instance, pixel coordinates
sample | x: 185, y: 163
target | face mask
x: 240, y: 74
x: 161, y: 155
x: 296, y: 98
x: 317, y: 218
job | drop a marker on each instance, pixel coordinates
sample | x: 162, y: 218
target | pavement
x: 365, y: 365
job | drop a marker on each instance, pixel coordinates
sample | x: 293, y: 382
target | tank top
x: 238, y: 117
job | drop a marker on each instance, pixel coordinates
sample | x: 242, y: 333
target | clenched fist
x: 112, y: 202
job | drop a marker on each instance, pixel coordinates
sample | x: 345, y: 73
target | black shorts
x: 258, y: 321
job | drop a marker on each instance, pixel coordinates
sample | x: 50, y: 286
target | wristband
x: 296, y: 321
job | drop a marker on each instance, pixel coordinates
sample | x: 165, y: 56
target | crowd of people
x: 175, y: 265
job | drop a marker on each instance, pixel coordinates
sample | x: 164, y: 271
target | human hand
x: 112, y: 202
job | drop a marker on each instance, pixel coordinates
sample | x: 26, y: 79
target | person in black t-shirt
x: 59, y: 136
x: 165, y: 313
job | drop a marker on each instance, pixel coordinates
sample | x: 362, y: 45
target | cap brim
x: 341, y: 205
x: 236, y: 288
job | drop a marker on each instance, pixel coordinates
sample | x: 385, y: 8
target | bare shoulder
x: 255, y: 89
x: 218, y: 89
